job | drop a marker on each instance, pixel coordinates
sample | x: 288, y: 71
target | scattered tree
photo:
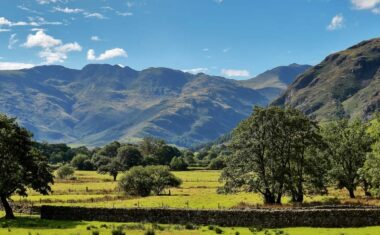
x: 178, y: 164
x: 217, y: 164
x: 141, y: 181
x: 65, y: 171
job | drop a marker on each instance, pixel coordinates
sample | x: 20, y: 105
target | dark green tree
x: 217, y: 164
x: 269, y: 154
x: 21, y: 165
x: 129, y: 156
x: 111, y: 166
x: 110, y: 150
x: 166, y: 153
x: 82, y: 162
x: 178, y: 164
x: 349, y: 144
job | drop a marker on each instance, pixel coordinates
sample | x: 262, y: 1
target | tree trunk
x: 352, y: 193
x: 114, y: 177
x: 269, y: 198
x: 8, y: 209
x: 279, y: 196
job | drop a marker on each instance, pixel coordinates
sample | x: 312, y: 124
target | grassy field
x: 197, y: 191
x: 33, y: 226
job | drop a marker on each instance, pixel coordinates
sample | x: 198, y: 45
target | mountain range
x: 102, y: 103
x: 345, y: 84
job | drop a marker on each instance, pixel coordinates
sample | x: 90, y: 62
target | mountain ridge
x: 345, y: 84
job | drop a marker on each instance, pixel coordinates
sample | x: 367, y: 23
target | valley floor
x: 198, y: 190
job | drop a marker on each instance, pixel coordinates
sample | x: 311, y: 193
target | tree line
x: 278, y: 152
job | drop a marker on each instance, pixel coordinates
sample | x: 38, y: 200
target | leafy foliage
x: 21, y: 165
x: 269, y: 154
x: 141, y: 181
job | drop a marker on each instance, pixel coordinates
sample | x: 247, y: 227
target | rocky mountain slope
x: 102, y: 103
x: 274, y: 82
x: 345, y: 84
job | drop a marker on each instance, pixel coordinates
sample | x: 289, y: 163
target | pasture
x: 198, y: 190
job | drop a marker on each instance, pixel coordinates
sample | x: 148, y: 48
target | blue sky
x: 233, y: 38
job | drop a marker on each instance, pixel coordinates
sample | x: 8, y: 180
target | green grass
x: 32, y: 225
x: 197, y: 191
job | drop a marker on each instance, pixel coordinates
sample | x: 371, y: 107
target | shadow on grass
x: 35, y: 222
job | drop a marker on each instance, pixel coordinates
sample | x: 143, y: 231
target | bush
x: 82, y: 162
x: 136, y: 182
x: 150, y: 232
x: 178, y: 164
x: 141, y: 181
x: 118, y: 231
x: 218, y: 230
x: 217, y: 164
x: 95, y: 233
x: 65, y: 172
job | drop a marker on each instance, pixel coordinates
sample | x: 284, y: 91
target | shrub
x: 141, y: 181
x: 218, y: 230
x: 66, y: 171
x: 82, y: 162
x: 137, y: 182
x: 162, y: 178
x: 190, y: 226
x: 217, y: 164
x: 95, y: 233
x: 178, y: 164
x: 150, y: 232
x: 118, y: 231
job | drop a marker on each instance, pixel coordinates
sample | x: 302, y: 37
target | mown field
x: 197, y: 191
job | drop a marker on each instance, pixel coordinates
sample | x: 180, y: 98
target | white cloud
x: 58, y: 54
x: 68, y: 10
x: 95, y: 38
x: 108, y: 54
x: 24, y: 8
x: 336, y: 23
x: 372, y: 5
x: 14, y: 66
x: 365, y: 4
x: 47, y: 1
x: 12, y: 41
x: 124, y: 13
x: 195, y: 70
x: 4, y: 30
x: 235, y: 73
x: 33, y: 21
x: 94, y: 15
x: 40, y: 39
x: 53, y: 51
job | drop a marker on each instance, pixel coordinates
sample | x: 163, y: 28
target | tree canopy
x: 21, y: 165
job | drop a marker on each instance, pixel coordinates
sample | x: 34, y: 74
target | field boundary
x: 265, y: 218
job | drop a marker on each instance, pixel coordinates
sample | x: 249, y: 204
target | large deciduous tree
x: 349, y: 144
x: 269, y: 154
x: 21, y: 165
